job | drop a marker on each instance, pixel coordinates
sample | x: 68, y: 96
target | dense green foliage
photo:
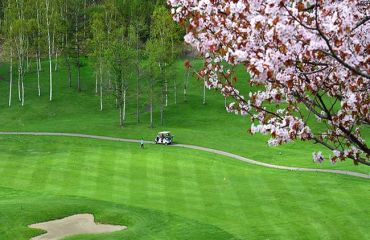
x: 125, y: 39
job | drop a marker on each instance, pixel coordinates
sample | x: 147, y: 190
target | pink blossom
x: 310, y: 56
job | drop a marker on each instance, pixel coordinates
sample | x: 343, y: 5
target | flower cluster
x: 311, y: 57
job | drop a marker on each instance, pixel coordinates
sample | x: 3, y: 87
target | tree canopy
x: 310, y: 60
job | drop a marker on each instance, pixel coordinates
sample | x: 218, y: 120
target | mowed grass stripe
x: 64, y: 172
x: 288, y: 202
x: 68, y: 173
x: 230, y: 194
x: 41, y: 171
x: 296, y: 209
x: 84, y: 171
x: 221, y: 203
x: 208, y: 191
x: 260, y: 209
x: 22, y: 174
x: 174, y: 196
x: 117, y: 186
x: 123, y: 171
x: 197, y: 201
x: 347, y: 199
x: 179, y: 185
x: 53, y: 181
x: 309, y: 213
x: 156, y: 192
x: 136, y: 175
x: 238, y: 183
x: 193, y: 195
x: 10, y: 163
x: 105, y: 163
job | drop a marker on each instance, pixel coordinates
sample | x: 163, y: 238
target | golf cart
x: 164, y: 138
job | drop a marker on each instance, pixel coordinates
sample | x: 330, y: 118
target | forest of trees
x: 128, y: 42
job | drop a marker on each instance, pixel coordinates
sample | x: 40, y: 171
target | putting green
x: 171, y: 193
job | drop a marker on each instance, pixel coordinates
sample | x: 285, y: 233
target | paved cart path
x: 210, y: 150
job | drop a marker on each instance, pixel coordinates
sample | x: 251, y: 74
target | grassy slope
x: 192, y: 122
x: 21, y: 208
x: 172, y: 193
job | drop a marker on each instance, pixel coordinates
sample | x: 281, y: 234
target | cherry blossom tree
x: 309, y: 58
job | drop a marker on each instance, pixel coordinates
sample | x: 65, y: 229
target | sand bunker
x: 73, y: 225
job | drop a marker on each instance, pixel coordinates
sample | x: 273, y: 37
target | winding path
x: 210, y: 150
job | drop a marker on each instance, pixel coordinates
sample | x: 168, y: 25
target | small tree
x: 49, y: 8
x: 8, y: 34
x: 163, y: 30
x: 97, y: 50
x: 134, y: 36
x: 153, y: 77
x: 122, y: 61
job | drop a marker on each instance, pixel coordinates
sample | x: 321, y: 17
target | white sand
x: 73, y: 225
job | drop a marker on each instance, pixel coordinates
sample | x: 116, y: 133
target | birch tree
x: 38, y: 43
x: 160, y: 31
x: 122, y: 67
x: 19, y: 28
x: 48, y: 14
x: 8, y: 33
x: 135, y: 30
x: 98, y: 49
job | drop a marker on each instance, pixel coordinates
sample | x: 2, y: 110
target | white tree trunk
x: 166, y: 89
x: 96, y: 82
x: 175, y: 89
x: 38, y: 75
x: 19, y: 80
x: 186, y: 86
x: 124, y: 104
x: 85, y: 19
x: 151, y: 104
x: 22, y: 90
x: 174, y: 79
x: 109, y: 80
x: 49, y: 46
x: 120, y: 117
x: 53, y: 42
x: 27, y: 60
x: 11, y: 77
x: 21, y: 73
x: 56, y: 61
x: 40, y: 67
x: 151, y: 111
x: 101, y: 87
x: 204, y: 93
x: 22, y: 68
x: 166, y: 86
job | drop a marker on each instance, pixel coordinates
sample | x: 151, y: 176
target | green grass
x: 164, y: 192
x: 171, y: 193
x: 192, y: 122
x: 20, y: 208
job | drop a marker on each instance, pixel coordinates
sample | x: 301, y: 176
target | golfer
x: 142, y: 143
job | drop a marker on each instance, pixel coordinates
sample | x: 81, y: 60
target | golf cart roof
x: 164, y: 133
